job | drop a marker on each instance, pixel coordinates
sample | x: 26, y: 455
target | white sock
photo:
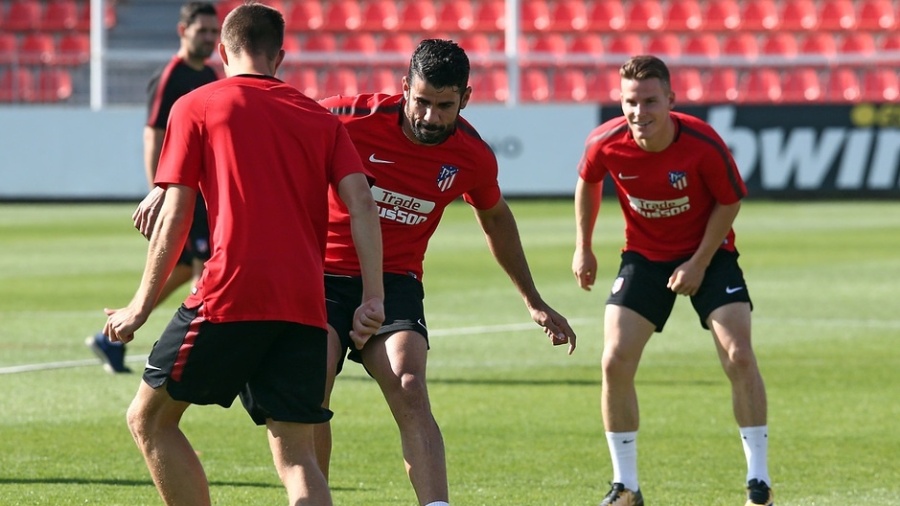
x: 623, y: 450
x: 438, y: 503
x: 756, y: 446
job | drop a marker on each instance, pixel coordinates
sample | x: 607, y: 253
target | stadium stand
x: 728, y: 50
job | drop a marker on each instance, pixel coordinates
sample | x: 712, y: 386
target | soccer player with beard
x: 680, y: 192
x: 423, y: 156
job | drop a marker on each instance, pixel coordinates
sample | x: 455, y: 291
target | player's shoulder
x: 467, y: 134
x: 695, y: 127
x: 366, y: 105
x: 607, y: 132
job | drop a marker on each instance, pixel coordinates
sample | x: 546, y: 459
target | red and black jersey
x: 168, y: 84
x: 413, y: 183
x: 667, y: 197
x: 264, y: 155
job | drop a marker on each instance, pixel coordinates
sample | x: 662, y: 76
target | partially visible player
x: 198, y: 31
x: 265, y: 157
x: 424, y: 156
x: 680, y: 191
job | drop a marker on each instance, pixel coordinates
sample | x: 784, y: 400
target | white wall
x: 58, y: 153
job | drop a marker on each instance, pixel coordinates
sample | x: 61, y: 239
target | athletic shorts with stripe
x: 641, y: 286
x: 404, y: 308
x: 278, y: 368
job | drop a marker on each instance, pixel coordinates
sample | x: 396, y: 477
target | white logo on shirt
x: 377, y: 160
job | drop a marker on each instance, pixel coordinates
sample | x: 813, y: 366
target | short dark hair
x: 254, y: 28
x: 191, y: 10
x: 644, y: 67
x: 441, y: 63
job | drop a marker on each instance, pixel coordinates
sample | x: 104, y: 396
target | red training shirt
x: 667, y: 197
x: 264, y: 156
x: 413, y: 183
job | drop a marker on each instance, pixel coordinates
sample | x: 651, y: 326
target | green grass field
x: 520, y: 418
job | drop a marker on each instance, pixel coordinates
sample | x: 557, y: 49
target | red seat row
x: 587, y: 15
x: 25, y: 85
x: 39, y: 48
x: 51, y: 15
x: 569, y: 84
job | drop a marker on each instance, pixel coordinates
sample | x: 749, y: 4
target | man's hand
x: 555, y: 326
x: 121, y: 324
x: 367, y: 319
x: 148, y: 210
x: 584, y: 267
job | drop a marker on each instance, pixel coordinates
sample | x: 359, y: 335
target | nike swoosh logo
x: 419, y: 321
x: 153, y: 367
x: 626, y: 441
x: 729, y: 290
x: 623, y: 176
x: 377, y: 160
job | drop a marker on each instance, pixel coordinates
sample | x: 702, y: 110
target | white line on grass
x: 61, y: 365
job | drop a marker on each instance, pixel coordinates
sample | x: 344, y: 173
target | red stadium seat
x: 801, y: 85
x: 535, y: 16
x: 476, y: 45
x: 664, y: 45
x: 340, y: 81
x: 305, y: 79
x: 569, y: 16
x: 721, y: 15
x: 456, y: 16
x: 226, y: 6
x: 837, y: 15
x: 360, y: 42
x: 760, y: 15
x: 534, y: 85
x: 843, y: 86
x: 569, y: 85
x: 799, y: 15
x: 760, y: 85
x: 605, y: 86
x: 890, y: 42
x: 702, y: 44
x: 381, y: 80
x: 60, y: 15
x: 418, y: 16
x: 490, y: 16
x: 291, y: 45
x: 319, y: 42
x: 22, y: 16
x: 342, y: 15
x: 644, y: 15
x: 9, y: 47
x: 876, y: 15
x: 820, y: 44
x: 880, y: 85
x: 741, y: 44
x: 857, y: 43
x: 490, y: 85
x: 722, y: 85
x: 628, y: 44
x: 110, y: 17
x: 687, y: 84
x: 684, y: 15
x: 782, y: 44
x: 379, y: 15
x: 37, y: 48
x: 17, y: 85
x: 587, y: 44
x: 606, y: 15
x: 547, y: 49
x: 73, y: 48
x: 54, y: 85
x: 398, y: 42
x: 304, y: 16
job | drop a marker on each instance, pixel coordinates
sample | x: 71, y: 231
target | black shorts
x: 278, y: 367
x: 404, y: 308
x: 197, y: 245
x: 641, y: 286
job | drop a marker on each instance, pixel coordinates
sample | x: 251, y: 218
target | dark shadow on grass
x: 547, y: 382
x: 138, y: 483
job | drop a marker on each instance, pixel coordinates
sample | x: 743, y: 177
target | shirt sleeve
x: 181, y: 158
x: 345, y: 159
x: 486, y: 194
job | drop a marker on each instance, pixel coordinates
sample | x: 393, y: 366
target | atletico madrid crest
x: 678, y: 179
x: 446, y: 177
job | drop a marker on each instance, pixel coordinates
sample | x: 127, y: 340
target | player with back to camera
x: 680, y: 192
x: 424, y: 156
x: 265, y: 157
x: 198, y: 32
